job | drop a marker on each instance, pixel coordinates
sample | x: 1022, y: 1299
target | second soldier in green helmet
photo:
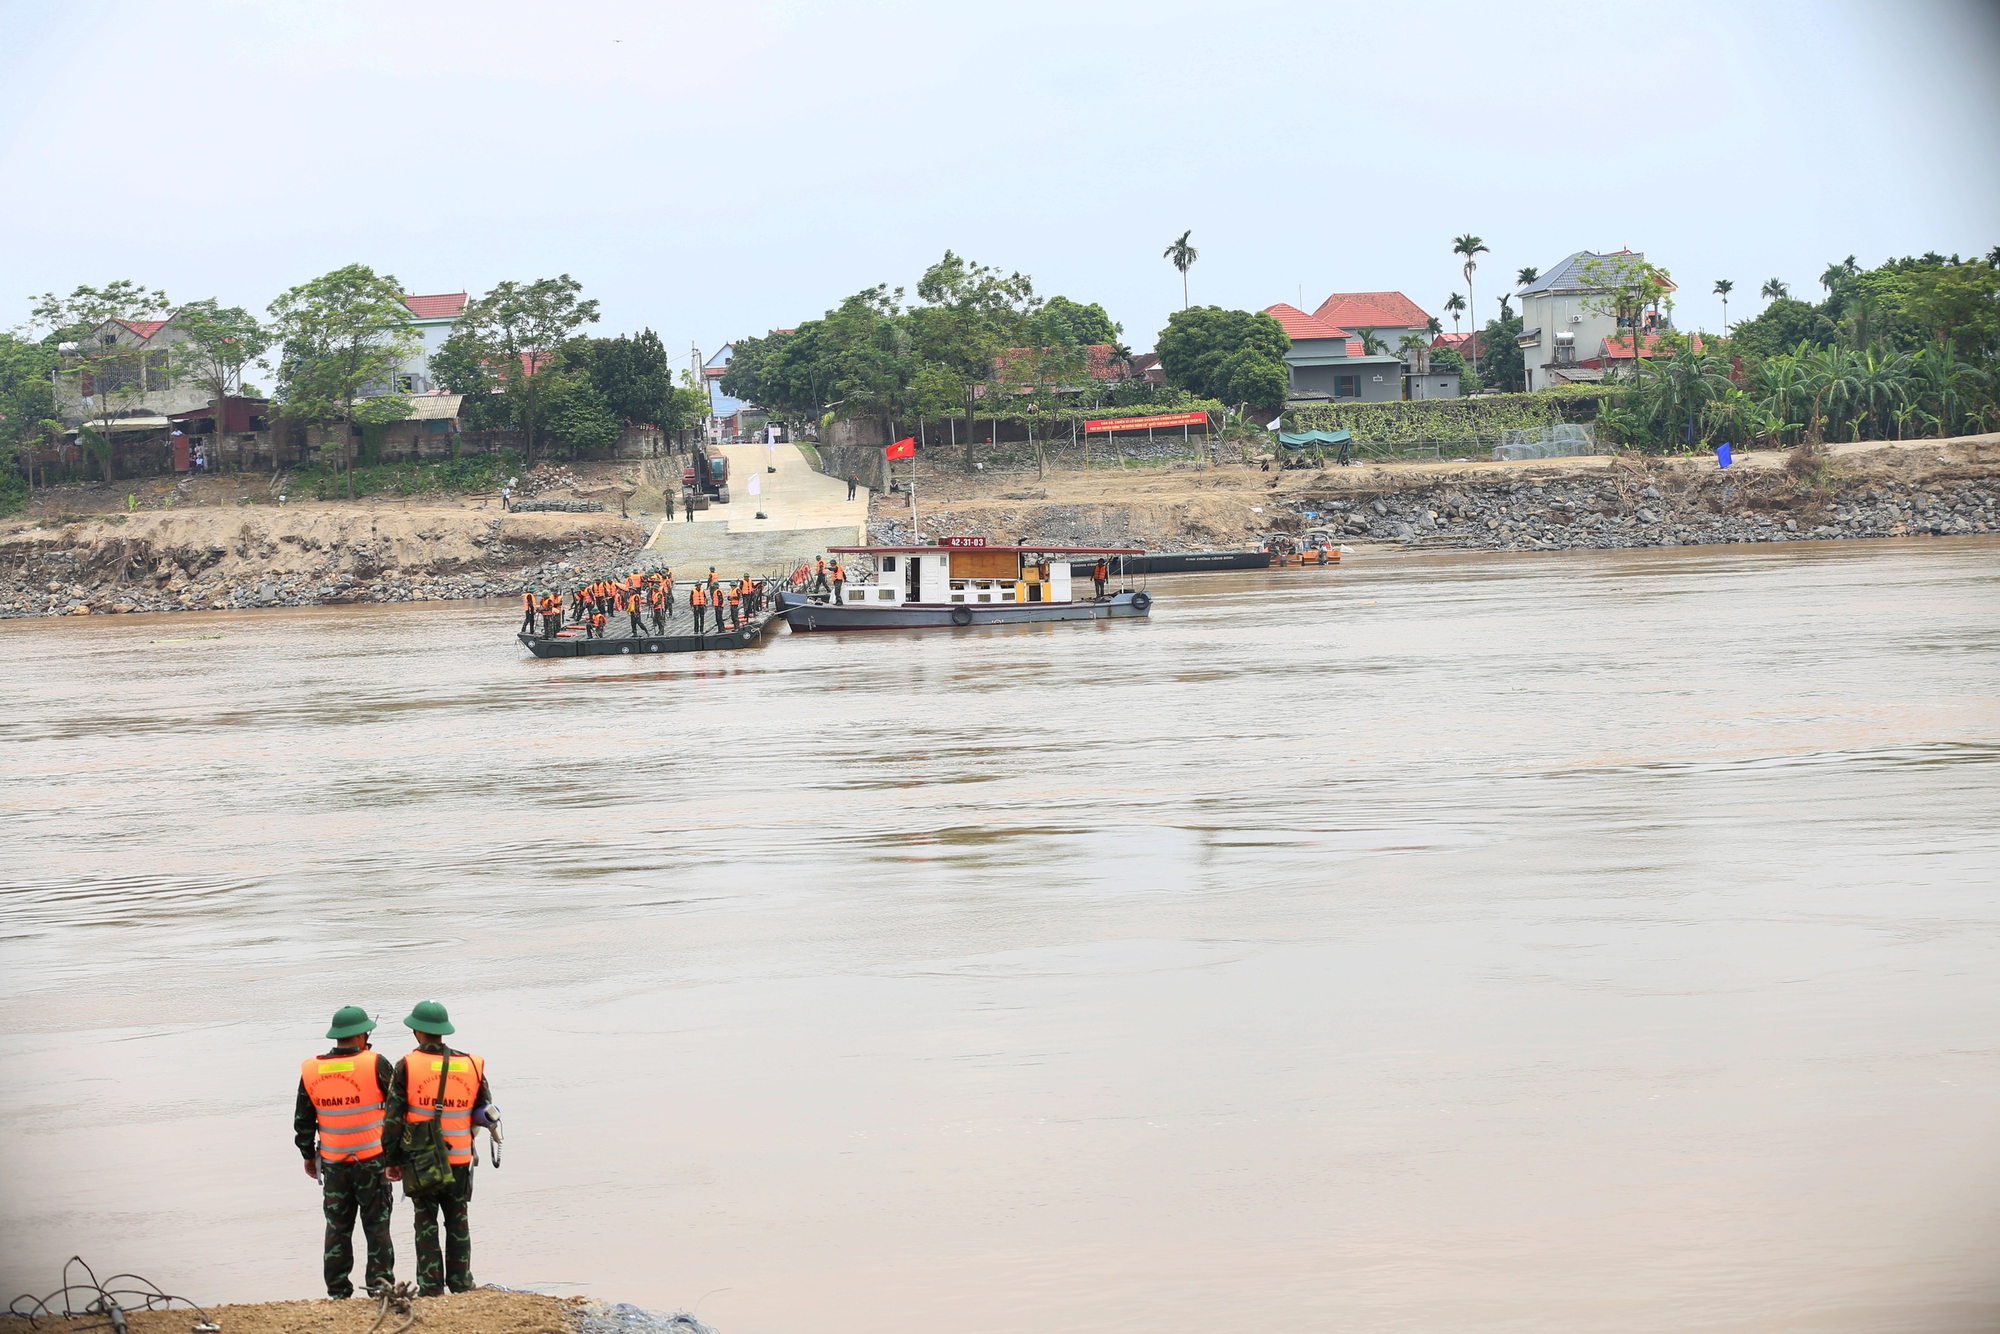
x: 413, y: 1099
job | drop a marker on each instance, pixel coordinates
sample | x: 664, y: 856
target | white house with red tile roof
x: 136, y: 386
x: 1325, y: 361
x: 432, y: 317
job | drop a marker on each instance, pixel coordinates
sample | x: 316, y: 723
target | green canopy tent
x: 1307, y: 439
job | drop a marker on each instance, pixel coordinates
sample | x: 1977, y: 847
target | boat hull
x: 1185, y: 562
x: 805, y: 615
x: 568, y: 647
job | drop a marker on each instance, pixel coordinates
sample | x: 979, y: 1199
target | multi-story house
x: 1570, y: 330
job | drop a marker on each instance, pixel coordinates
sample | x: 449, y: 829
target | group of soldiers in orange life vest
x: 592, y: 605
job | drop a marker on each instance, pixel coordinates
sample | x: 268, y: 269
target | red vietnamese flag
x: 906, y: 448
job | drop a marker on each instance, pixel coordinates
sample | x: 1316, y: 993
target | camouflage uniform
x: 348, y: 1191
x: 453, y: 1267
x: 351, y: 1191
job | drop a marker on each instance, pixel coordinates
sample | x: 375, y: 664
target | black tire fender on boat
x: 1141, y: 600
x: 961, y: 616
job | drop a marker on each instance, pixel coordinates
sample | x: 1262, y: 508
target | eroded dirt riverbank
x: 229, y: 547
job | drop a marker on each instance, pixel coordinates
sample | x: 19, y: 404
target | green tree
x: 1183, y: 257
x: 458, y: 365
x: 1371, y: 341
x: 576, y: 411
x: 343, y: 332
x: 970, y: 313
x: 518, y: 330
x: 1503, y: 364
x: 220, y: 341
x: 111, y: 373
x: 1199, y: 352
x: 629, y: 372
x: 28, y: 416
x: 1774, y: 289
x: 1454, y: 306
x: 1470, y: 247
x: 1781, y: 327
x: 1522, y: 277
x: 1062, y: 321
x: 1723, y: 287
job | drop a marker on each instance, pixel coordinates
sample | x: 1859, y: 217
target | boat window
x: 888, y: 565
x: 886, y: 595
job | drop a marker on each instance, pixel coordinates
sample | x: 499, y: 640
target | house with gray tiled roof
x: 1564, y: 325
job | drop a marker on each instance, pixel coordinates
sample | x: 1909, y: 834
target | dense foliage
x: 1232, y: 355
x: 1451, y: 421
x: 27, y: 411
x: 878, y: 354
x: 1905, y: 350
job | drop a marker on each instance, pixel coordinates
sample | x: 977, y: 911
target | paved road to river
x: 1580, y: 942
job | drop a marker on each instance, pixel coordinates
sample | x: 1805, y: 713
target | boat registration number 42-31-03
x: 962, y: 543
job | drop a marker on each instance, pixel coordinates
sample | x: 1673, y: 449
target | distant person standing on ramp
x: 337, y: 1125
x: 436, y: 1097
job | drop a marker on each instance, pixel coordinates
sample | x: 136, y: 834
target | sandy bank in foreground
x: 482, y: 1311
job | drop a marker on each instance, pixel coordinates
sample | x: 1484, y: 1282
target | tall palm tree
x: 1775, y: 289
x: 1454, y: 304
x: 1470, y: 246
x: 1183, y: 255
x: 1723, y: 287
x: 1526, y: 276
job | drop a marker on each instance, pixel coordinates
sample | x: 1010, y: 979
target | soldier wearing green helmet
x: 337, y: 1124
x: 436, y: 1081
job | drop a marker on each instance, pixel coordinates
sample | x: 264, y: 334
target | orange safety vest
x: 735, y: 596
x: 597, y: 620
x: 527, y: 602
x: 1101, y: 571
x: 697, y: 598
x: 348, y: 1098
x: 421, y: 1070
x: 819, y: 565
x: 659, y: 596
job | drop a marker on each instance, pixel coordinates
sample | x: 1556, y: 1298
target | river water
x: 1545, y: 942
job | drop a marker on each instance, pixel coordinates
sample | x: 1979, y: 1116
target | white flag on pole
x: 1275, y: 425
x: 756, y: 478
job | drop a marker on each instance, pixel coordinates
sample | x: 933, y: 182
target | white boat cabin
x: 967, y: 570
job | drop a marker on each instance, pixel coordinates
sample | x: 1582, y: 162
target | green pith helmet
x: 429, y: 1017
x: 350, y: 1021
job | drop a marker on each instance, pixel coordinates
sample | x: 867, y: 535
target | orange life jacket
x: 1101, y: 571
x: 527, y: 601
x: 659, y: 596
x: 634, y: 579
x: 421, y: 1070
x: 348, y: 1098
x: 735, y: 596
x: 819, y: 565
x: 839, y: 573
x: 697, y: 598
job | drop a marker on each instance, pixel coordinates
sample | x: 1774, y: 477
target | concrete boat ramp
x: 805, y: 512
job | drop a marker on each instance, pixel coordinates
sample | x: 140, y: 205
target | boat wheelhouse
x: 963, y: 581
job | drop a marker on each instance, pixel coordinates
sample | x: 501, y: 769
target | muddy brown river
x: 1578, y: 942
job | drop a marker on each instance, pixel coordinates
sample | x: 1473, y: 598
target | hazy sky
x: 714, y: 170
